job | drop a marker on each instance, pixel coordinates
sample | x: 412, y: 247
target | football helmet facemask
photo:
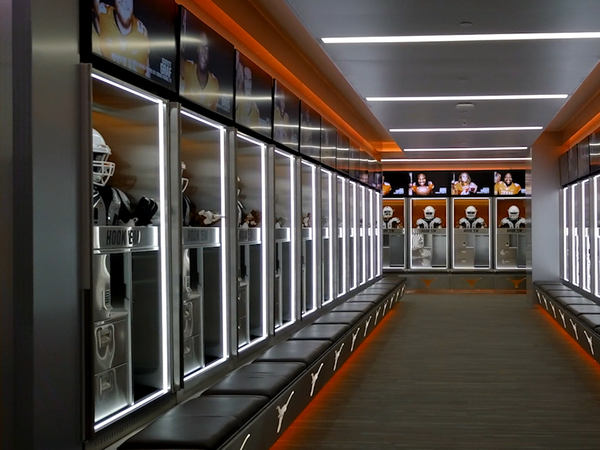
x: 184, y: 181
x: 387, y: 212
x: 513, y: 212
x: 103, y: 169
x: 429, y: 212
x: 471, y: 212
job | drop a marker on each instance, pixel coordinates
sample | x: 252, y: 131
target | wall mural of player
x: 505, y: 185
x: 464, y: 185
x: 514, y: 219
x: 111, y: 206
x: 471, y: 220
x: 421, y: 186
x: 136, y: 35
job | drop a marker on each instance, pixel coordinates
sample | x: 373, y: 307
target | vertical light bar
x: 224, y: 249
x: 372, y: 219
x: 584, y: 242
x: 263, y: 249
x: 595, y: 233
x: 574, y: 279
x: 343, y: 262
x: 314, y: 234
x: 293, y: 228
x: 163, y: 244
x: 365, y: 237
x: 566, y: 236
x: 378, y: 231
x: 354, y: 222
x: 331, y: 231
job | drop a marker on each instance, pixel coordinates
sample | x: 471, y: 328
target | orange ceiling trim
x: 241, y: 39
x: 582, y: 133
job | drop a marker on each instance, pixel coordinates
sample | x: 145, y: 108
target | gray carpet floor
x: 458, y: 372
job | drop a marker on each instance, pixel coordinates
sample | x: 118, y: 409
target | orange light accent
x: 589, y: 359
x: 259, y: 54
x: 389, y: 146
x: 582, y: 133
x: 327, y: 395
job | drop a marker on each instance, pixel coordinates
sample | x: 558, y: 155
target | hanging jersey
x: 129, y: 50
x: 191, y: 88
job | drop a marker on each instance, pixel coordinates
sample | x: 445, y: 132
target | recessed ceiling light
x: 460, y: 38
x: 447, y: 130
x: 454, y: 98
x: 462, y: 149
x: 411, y: 160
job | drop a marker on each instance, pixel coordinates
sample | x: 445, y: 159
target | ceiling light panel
x: 413, y: 160
x: 463, y: 149
x: 460, y: 38
x: 454, y: 98
x: 462, y: 129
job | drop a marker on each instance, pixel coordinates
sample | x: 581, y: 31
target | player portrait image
x: 328, y: 141
x: 476, y: 182
x: 138, y: 35
x: 206, y: 61
x: 253, y: 96
x: 343, y: 152
x: 286, y: 120
x: 427, y: 184
x: 509, y: 183
x: 463, y: 185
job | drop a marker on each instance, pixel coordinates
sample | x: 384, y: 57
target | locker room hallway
x: 458, y: 372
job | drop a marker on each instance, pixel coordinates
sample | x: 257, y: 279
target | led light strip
x: 462, y: 149
x: 293, y: 226
x: 595, y: 233
x: 463, y: 129
x: 459, y: 98
x: 460, y: 38
x: 566, y: 273
x: 572, y: 217
x: 331, y: 228
x: 263, y: 246
x: 411, y: 160
x: 344, y: 250
x: 364, y: 239
x: 584, y: 242
x: 353, y: 224
x: 224, y: 250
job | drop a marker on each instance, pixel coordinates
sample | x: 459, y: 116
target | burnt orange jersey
x: 501, y: 188
x: 130, y: 50
x: 191, y: 88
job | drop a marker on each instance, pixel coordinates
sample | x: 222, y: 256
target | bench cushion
x: 349, y: 318
x: 591, y: 320
x: 303, y: 351
x: 331, y: 332
x: 185, y: 432
x: 573, y: 301
x: 259, y: 378
x: 562, y: 292
x: 354, y: 307
x: 242, y: 407
x: 372, y: 298
x: 583, y: 309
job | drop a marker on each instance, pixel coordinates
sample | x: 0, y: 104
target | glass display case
x: 576, y: 209
x: 203, y: 299
x: 471, y: 233
x: 394, y: 241
x: 327, y: 223
x: 308, y: 250
x: 251, y: 306
x: 361, y: 244
x: 428, y: 241
x: 377, y: 226
x: 352, y: 274
x: 130, y: 275
x: 342, y: 233
x: 285, y: 225
x: 511, y: 233
x: 566, y: 237
x: 586, y: 270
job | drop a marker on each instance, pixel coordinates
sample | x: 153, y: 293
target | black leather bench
x: 578, y: 315
x: 250, y: 407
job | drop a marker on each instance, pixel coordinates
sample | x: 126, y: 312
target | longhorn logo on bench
x: 545, y: 302
x: 313, y: 380
x: 244, y: 443
x: 553, y: 309
x: 281, y: 410
x: 574, y: 325
x: 337, y: 356
x: 376, y: 315
x: 385, y: 307
x: 589, y: 339
x: 562, y: 316
x: 367, y: 325
x: 354, y: 335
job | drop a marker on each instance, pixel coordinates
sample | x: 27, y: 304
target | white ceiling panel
x: 469, y: 68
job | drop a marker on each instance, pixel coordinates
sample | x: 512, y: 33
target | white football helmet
x: 184, y: 181
x: 513, y: 212
x: 103, y: 169
x: 387, y: 212
x: 471, y: 212
x: 429, y: 212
